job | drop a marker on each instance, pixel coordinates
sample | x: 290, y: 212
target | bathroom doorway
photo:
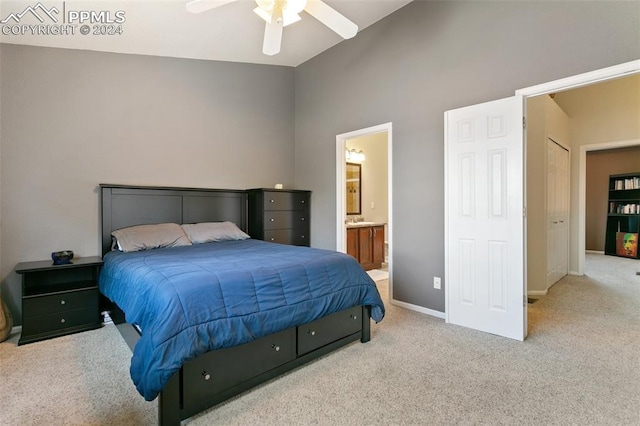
x: 371, y: 149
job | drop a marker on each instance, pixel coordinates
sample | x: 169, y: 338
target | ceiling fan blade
x: 331, y: 18
x: 273, y: 32
x: 198, y: 6
x: 272, y: 37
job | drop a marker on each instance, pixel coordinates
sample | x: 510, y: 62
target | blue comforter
x: 190, y: 300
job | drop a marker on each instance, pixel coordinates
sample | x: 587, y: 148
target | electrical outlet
x: 373, y: 205
x: 436, y: 283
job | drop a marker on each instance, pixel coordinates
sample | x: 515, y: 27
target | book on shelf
x: 629, y: 183
x: 629, y: 208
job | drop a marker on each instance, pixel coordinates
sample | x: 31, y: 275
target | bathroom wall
x: 375, y: 176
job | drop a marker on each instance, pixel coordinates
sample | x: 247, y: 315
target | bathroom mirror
x: 354, y: 189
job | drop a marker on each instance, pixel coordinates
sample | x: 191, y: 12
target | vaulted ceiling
x: 165, y: 28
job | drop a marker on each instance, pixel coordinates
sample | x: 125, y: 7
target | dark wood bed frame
x: 201, y: 383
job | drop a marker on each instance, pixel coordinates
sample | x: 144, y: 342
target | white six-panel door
x: 484, y: 224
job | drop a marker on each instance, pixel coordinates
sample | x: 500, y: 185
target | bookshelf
x: 623, y: 218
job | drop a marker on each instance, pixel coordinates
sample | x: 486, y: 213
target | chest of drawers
x: 280, y: 216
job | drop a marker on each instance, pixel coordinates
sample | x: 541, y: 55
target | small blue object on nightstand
x: 62, y: 257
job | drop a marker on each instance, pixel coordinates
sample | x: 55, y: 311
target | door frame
x: 580, y: 80
x: 341, y: 211
x: 582, y: 193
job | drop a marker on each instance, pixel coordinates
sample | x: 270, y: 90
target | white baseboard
x: 536, y: 293
x: 417, y: 308
x: 594, y: 252
x: 16, y: 329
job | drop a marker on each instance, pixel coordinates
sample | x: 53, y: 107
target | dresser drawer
x: 285, y: 219
x: 329, y: 329
x: 285, y: 201
x: 59, y: 321
x: 218, y: 370
x: 296, y: 237
x: 60, y: 302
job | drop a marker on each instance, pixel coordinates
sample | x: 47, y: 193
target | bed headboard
x: 123, y: 206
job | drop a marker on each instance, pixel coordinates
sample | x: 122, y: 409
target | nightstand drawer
x: 60, y: 302
x: 285, y: 201
x: 59, y: 321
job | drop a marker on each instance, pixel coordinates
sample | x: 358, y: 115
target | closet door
x: 557, y: 212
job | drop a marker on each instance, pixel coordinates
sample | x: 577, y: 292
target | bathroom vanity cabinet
x: 366, y: 244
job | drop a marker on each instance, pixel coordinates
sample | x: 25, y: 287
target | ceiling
x: 164, y: 28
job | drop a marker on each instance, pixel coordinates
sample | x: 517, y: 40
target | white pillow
x: 207, y: 232
x: 146, y: 237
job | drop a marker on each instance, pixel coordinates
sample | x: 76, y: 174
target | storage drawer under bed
x: 326, y: 330
x: 221, y: 369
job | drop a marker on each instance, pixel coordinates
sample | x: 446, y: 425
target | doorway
x: 582, y: 191
x: 375, y: 197
x: 459, y: 133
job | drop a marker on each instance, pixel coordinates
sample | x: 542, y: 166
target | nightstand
x: 59, y: 299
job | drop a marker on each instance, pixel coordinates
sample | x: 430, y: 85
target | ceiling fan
x: 280, y: 13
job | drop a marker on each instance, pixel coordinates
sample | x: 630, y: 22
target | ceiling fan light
x: 290, y: 10
x: 266, y: 5
x: 294, y: 6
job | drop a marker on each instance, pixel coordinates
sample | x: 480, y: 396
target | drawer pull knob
x: 302, y: 201
x: 354, y: 316
x: 272, y: 220
x: 62, y: 302
x: 273, y: 239
x: 311, y: 332
x: 272, y: 201
x: 62, y: 321
x: 276, y: 348
x: 206, y: 375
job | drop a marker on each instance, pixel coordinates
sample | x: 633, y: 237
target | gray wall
x: 410, y: 68
x: 73, y: 119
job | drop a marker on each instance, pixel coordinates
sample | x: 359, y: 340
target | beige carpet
x: 580, y: 365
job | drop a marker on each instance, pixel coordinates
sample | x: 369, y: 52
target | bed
x: 245, y: 310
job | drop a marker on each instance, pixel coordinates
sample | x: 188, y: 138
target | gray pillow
x: 207, y: 232
x: 146, y: 237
